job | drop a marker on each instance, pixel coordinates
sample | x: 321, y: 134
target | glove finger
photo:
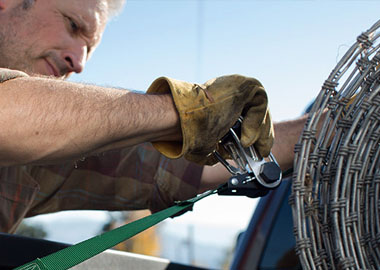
x: 253, y: 119
x: 266, y: 138
x: 201, y: 159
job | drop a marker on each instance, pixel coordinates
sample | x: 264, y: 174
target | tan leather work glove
x: 207, y: 111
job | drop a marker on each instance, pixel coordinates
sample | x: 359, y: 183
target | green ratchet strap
x: 73, y: 255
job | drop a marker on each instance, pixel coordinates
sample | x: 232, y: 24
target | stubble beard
x: 14, y: 52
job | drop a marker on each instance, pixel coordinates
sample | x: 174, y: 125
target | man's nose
x: 75, y: 57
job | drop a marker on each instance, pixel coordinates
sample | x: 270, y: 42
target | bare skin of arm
x: 286, y: 136
x: 47, y: 120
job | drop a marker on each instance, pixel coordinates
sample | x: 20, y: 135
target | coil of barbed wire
x: 336, y: 182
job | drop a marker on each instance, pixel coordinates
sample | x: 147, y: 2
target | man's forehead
x: 92, y: 14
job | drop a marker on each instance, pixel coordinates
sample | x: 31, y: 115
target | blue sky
x: 290, y: 46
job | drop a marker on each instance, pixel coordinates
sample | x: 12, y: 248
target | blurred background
x: 290, y: 46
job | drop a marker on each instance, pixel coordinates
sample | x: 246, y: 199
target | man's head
x: 52, y: 37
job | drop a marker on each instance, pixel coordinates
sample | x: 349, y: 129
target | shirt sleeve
x: 130, y: 179
x: 17, y: 192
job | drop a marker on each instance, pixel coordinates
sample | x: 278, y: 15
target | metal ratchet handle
x: 267, y: 173
x: 251, y: 170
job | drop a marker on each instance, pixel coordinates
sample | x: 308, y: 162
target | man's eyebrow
x: 88, y: 29
x: 84, y: 25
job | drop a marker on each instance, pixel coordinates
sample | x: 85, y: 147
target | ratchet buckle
x: 252, y: 175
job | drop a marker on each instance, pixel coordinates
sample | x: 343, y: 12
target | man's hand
x: 207, y: 112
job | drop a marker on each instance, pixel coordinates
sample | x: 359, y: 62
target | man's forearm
x: 46, y: 120
x: 287, y: 134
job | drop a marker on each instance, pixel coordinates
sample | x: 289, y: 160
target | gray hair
x: 115, y: 7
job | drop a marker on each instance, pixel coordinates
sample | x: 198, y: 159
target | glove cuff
x: 165, y: 85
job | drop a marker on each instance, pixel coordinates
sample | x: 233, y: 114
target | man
x: 49, y: 125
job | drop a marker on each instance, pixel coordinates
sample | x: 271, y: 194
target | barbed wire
x: 336, y: 182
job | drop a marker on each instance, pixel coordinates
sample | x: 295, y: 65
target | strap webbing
x: 73, y: 255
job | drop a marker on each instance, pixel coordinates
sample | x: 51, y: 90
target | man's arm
x: 48, y: 120
x: 286, y: 136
